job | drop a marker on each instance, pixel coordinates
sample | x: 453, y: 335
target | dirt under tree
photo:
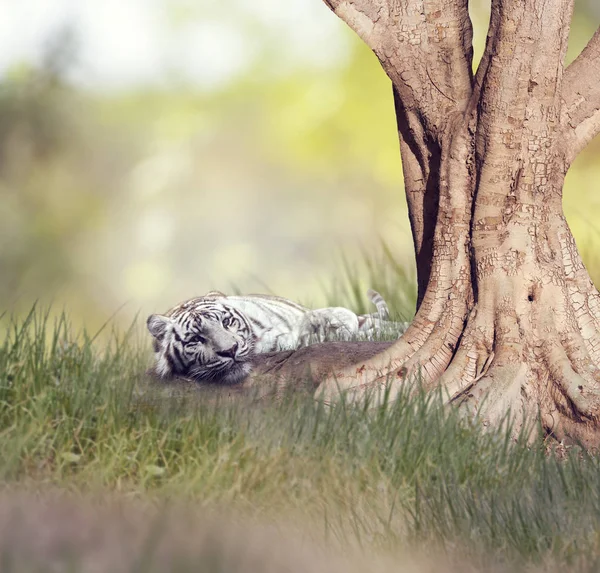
x: 507, y: 317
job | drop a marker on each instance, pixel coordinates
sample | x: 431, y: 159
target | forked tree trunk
x: 508, y: 317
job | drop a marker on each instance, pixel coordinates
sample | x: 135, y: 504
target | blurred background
x: 152, y: 150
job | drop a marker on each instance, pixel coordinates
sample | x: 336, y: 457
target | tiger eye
x: 197, y: 339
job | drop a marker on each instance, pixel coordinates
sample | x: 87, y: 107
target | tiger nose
x: 229, y: 352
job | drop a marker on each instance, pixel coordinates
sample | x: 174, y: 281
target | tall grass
x: 383, y: 272
x: 82, y: 415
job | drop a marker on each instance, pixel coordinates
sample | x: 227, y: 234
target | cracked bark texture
x: 508, y: 318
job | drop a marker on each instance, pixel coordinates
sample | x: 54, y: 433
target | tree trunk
x: 508, y: 318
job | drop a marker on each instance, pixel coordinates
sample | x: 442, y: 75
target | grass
x: 384, y: 273
x: 79, y: 416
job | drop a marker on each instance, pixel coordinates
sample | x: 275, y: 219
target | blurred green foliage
x: 155, y: 194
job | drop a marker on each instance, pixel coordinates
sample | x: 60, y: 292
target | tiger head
x: 202, y: 340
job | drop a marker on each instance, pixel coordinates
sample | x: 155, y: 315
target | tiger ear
x: 215, y: 294
x: 157, y: 325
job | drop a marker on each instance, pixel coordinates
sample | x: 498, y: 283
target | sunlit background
x: 152, y: 150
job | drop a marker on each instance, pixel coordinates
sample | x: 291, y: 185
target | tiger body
x: 214, y: 337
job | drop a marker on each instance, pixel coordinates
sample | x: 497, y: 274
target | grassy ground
x: 410, y: 477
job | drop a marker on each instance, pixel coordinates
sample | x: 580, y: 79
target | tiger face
x: 202, y: 340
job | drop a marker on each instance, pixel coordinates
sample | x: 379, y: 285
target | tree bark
x: 508, y: 318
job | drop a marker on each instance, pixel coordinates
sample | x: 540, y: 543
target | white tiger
x: 213, y: 337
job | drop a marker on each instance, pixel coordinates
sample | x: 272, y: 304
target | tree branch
x: 581, y: 99
x: 425, y: 47
x: 359, y: 15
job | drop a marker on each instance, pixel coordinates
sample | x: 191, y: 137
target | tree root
x: 535, y: 365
